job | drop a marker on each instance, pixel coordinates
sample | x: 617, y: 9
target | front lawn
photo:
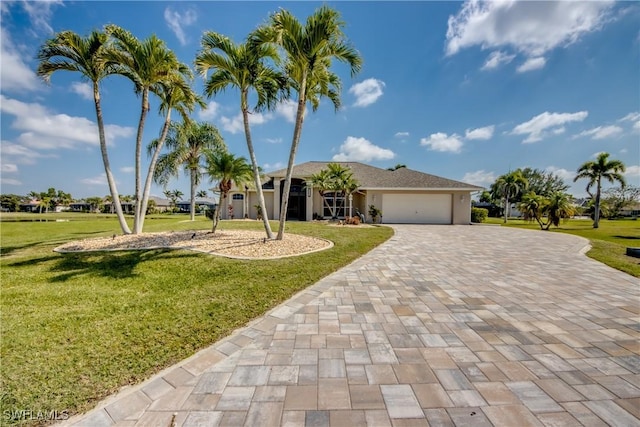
x: 609, y: 242
x: 77, y: 327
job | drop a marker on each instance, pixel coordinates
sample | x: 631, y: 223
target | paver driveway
x: 442, y: 325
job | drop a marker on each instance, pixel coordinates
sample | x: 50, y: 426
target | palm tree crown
x: 508, y: 186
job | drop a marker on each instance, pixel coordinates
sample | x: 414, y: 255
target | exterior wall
x: 253, y: 200
x: 461, y: 207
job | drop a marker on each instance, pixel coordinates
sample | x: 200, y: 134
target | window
x: 238, y: 196
x: 340, y: 205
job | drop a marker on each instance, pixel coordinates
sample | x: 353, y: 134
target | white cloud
x: 442, y: 142
x: 634, y: 118
x: 483, y: 133
x: 496, y: 59
x: 532, y: 64
x: 361, y: 150
x: 288, y: 110
x: 96, y: 180
x: 367, y: 92
x: 559, y: 131
x: 210, y: 112
x: 529, y: 27
x: 401, y: 134
x: 536, y: 127
x: 235, y: 124
x: 40, y: 13
x: 595, y: 155
x: 85, y: 90
x: 632, y: 171
x: 45, y: 130
x: 9, y: 181
x: 8, y: 168
x: 273, y: 166
x: 128, y: 169
x: 600, y: 132
x: 564, y: 174
x: 20, y: 154
x: 274, y: 140
x: 176, y: 21
x: 480, y: 177
x: 15, y: 74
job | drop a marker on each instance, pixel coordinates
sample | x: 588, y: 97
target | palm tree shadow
x: 628, y: 237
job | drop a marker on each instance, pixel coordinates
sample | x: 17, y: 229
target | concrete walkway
x: 441, y: 326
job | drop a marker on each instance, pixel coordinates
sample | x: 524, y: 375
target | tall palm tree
x: 67, y: 51
x: 148, y: 64
x: 243, y: 67
x: 321, y: 181
x: 595, y: 172
x: 188, y: 144
x: 226, y: 169
x: 309, y: 51
x: 508, y: 186
x: 175, y: 94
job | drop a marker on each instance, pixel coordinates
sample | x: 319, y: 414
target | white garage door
x: 416, y: 208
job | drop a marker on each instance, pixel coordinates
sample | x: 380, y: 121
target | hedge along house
x: 403, y: 195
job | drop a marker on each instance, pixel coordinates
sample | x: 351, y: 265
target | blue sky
x: 467, y: 91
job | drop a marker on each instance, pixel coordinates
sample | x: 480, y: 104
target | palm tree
x: 532, y: 206
x: 242, y: 66
x: 226, y: 169
x: 309, y: 50
x: 67, y: 51
x: 202, y: 193
x: 321, y: 181
x: 397, y: 166
x: 557, y: 207
x: 173, y: 196
x: 508, y: 186
x: 188, y: 143
x: 148, y: 64
x: 595, y: 172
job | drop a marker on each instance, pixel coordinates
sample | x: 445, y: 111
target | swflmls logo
x: 31, y: 415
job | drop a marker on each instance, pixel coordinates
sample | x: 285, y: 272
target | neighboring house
x: 80, y: 207
x: 403, y: 195
x: 202, y: 204
x: 632, y: 210
x: 31, y: 206
x: 162, y: 205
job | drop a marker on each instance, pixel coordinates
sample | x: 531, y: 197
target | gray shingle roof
x: 371, y: 177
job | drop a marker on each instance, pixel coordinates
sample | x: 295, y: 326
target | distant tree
x: 543, y: 183
x: 44, y: 202
x: 173, y: 196
x: 396, y: 167
x: 202, y: 193
x: 309, y: 50
x: 95, y: 203
x: 595, y: 172
x: 486, y: 197
x: 67, y: 51
x: 618, y: 198
x: 11, y: 202
x: 508, y: 186
x: 532, y: 207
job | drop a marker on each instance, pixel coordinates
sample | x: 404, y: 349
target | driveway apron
x: 440, y: 326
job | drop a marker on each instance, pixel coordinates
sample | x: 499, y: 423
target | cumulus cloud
x: 536, y: 128
x: 45, y: 130
x: 633, y: 118
x: 632, y: 171
x: 19, y: 153
x: 531, y: 27
x: 210, y: 112
x: 480, y: 177
x: 361, y: 150
x: 176, y: 21
x: 564, y: 174
x: 496, y: 59
x: 273, y: 166
x: 483, y: 133
x: 15, y: 74
x: 367, y: 92
x: 83, y: 89
x: 442, y: 142
x: 532, y: 64
x: 9, y: 181
x: 8, y: 168
x: 288, y: 110
x: 235, y: 124
x: 600, y: 132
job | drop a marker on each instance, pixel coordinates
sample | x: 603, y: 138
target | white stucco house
x: 403, y: 195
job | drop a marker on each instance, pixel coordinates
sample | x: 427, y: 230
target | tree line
x: 283, y: 59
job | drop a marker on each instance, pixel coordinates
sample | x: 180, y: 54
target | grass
x: 77, y: 327
x: 609, y: 242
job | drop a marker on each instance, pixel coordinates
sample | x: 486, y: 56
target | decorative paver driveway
x: 440, y: 326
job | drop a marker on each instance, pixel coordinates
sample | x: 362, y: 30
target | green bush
x: 479, y: 214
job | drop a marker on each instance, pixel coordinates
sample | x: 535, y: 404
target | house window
x: 238, y: 196
x: 340, y: 205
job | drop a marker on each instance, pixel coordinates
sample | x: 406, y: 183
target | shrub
x: 479, y: 214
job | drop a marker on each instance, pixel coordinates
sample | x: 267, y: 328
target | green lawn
x: 609, y: 242
x: 75, y: 328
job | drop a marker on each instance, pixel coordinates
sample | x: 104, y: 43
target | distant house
x: 202, y: 204
x: 30, y: 206
x: 80, y: 207
x: 403, y: 195
x: 161, y: 205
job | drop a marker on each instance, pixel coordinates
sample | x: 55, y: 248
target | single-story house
x: 202, y: 204
x: 403, y: 195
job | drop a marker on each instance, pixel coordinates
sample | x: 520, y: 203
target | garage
x: 417, y: 208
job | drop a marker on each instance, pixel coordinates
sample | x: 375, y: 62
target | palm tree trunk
x: 254, y: 165
x: 152, y: 167
x: 137, y: 229
x: 105, y: 160
x: 596, y: 214
x: 506, y: 208
x: 216, y: 213
x: 192, y: 204
x: 297, y: 131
